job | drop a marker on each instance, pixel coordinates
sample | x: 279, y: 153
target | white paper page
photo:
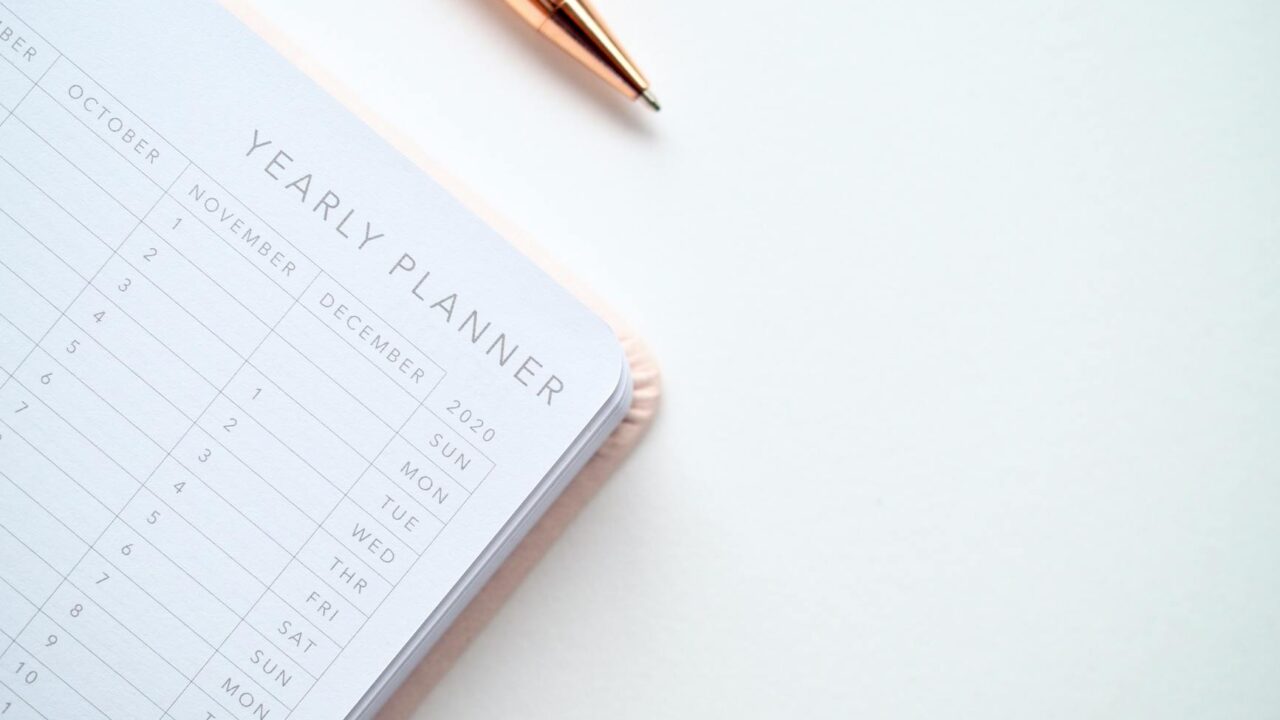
x: 266, y: 391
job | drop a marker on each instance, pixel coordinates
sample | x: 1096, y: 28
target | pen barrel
x: 576, y: 28
x: 534, y: 12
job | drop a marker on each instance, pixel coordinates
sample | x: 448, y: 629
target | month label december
x: 359, y: 327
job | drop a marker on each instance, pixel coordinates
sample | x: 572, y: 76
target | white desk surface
x: 970, y: 319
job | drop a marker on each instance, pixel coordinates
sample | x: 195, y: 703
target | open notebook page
x: 267, y: 391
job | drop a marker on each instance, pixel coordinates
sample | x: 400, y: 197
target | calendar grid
x: 167, y: 190
x: 40, y: 609
x: 143, y: 223
x: 71, y: 267
x: 221, y: 392
x: 335, y: 496
x: 230, y: 193
x: 73, y: 584
x: 131, y: 371
x: 126, y: 313
x: 2, y: 123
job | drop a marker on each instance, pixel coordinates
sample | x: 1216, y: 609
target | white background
x: 970, y: 321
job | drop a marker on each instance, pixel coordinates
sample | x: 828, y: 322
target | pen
x: 578, y: 30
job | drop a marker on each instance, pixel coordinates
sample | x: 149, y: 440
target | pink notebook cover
x: 644, y: 404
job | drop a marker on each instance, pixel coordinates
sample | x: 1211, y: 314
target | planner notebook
x: 273, y: 405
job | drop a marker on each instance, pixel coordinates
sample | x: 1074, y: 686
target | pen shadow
x: 605, y: 98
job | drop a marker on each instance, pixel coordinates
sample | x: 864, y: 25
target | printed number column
x: 323, y: 392
x: 229, y: 504
x: 258, y: 448
x: 62, y: 488
x: 114, y: 391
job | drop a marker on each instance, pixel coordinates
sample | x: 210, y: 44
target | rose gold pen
x: 579, y: 31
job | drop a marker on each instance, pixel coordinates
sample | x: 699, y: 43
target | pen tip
x: 649, y: 98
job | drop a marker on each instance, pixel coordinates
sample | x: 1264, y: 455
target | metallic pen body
x: 576, y: 27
